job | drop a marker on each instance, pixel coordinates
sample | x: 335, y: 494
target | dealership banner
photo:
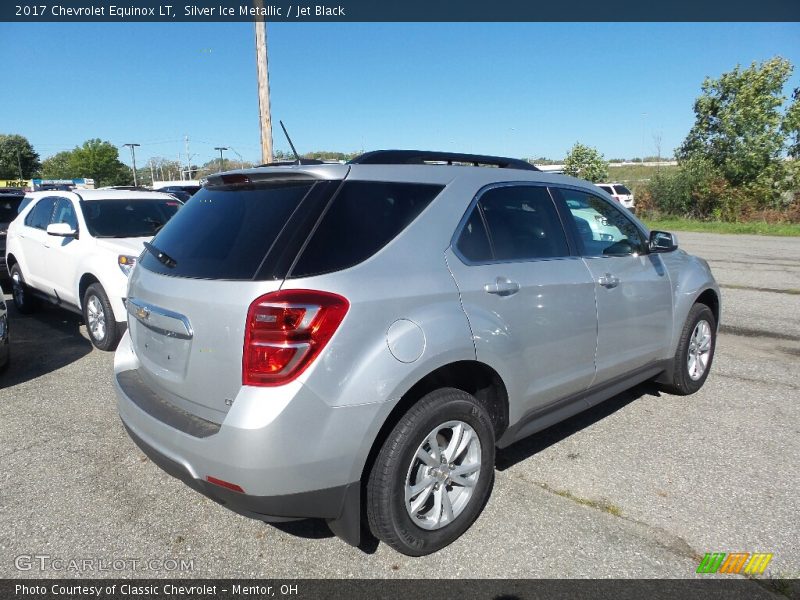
x: 395, y: 589
x: 407, y: 10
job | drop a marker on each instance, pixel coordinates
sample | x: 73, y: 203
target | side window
x: 362, y: 218
x: 523, y: 223
x: 473, y: 243
x: 603, y: 228
x: 65, y: 213
x: 39, y: 216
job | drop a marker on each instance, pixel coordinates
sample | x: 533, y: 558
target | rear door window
x: 363, y: 217
x: 522, y: 222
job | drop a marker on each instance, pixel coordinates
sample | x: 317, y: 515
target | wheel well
x: 10, y: 262
x: 710, y: 299
x: 87, y: 280
x: 471, y: 376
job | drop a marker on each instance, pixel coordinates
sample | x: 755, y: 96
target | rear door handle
x: 502, y: 286
x: 609, y: 281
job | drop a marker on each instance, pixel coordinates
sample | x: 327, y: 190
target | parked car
x: 76, y: 249
x: 353, y: 341
x: 182, y: 192
x: 620, y: 193
x: 4, y: 336
x: 10, y: 200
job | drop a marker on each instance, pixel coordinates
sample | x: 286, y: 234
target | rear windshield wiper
x: 163, y: 257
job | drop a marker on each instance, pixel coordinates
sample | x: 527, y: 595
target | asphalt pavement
x: 640, y: 486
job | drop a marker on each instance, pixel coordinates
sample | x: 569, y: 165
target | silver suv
x: 353, y: 342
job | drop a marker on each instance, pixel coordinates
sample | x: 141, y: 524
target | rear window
x: 363, y: 218
x: 129, y: 218
x: 225, y: 232
x: 622, y: 190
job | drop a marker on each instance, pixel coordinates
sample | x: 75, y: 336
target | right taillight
x: 286, y: 331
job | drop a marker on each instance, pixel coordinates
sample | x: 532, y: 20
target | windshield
x: 9, y: 205
x: 622, y: 190
x: 128, y: 218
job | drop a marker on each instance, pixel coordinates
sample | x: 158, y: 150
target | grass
x: 754, y: 228
x: 632, y: 174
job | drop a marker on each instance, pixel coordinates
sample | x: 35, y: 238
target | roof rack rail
x: 420, y: 157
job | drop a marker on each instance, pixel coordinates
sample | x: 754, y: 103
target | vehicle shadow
x: 530, y: 446
x: 41, y: 343
x: 505, y: 458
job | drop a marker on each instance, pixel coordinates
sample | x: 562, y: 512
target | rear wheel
x: 23, y: 299
x: 695, y: 352
x: 433, y: 474
x: 99, y: 318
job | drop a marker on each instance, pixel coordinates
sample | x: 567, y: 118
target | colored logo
x: 735, y: 563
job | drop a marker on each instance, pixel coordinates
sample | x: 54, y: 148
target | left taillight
x: 286, y: 331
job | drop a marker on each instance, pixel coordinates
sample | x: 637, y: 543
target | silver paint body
x: 415, y: 306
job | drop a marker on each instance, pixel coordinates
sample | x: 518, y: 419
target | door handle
x: 608, y: 280
x: 502, y: 286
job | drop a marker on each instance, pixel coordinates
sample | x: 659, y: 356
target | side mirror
x: 62, y: 230
x: 663, y: 241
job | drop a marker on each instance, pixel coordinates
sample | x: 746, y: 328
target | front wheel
x: 695, y: 352
x: 99, y: 318
x: 433, y: 474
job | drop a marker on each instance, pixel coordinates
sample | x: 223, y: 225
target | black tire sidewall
x: 27, y: 303
x: 438, y: 407
x: 109, y: 341
x: 683, y: 381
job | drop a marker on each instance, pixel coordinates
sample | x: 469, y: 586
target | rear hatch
x: 189, y: 295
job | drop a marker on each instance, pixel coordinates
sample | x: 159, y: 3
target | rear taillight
x: 286, y: 331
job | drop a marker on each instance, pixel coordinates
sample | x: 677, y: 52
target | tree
x: 587, y: 163
x: 99, y: 160
x: 18, y: 159
x: 740, y: 127
x: 791, y: 125
x: 57, y: 166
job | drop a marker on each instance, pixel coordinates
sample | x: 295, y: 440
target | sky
x: 514, y: 89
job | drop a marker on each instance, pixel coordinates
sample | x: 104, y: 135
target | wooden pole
x: 265, y: 118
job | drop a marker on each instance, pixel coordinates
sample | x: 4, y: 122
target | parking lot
x: 641, y: 486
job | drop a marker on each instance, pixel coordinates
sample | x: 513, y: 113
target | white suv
x: 619, y: 193
x: 76, y: 249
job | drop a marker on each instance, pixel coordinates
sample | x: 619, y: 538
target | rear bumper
x: 327, y: 503
x: 293, y: 455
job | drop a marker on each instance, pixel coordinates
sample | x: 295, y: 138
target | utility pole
x: 133, y: 160
x: 220, y: 148
x: 19, y: 165
x: 188, y: 159
x: 265, y: 118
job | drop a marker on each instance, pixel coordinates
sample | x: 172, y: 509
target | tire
x: 698, y: 341
x: 99, y: 318
x: 401, y: 482
x: 21, y: 293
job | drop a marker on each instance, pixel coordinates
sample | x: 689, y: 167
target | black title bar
x: 292, y: 11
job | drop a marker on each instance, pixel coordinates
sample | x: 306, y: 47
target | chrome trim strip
x: 160, y: 320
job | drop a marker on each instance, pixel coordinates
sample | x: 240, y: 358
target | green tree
x: 57, y: 166
x: 740, y: 123
x: 587, y: 163
x: 18, y: 159
x: 99, y: 160
x: 791, y: 125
